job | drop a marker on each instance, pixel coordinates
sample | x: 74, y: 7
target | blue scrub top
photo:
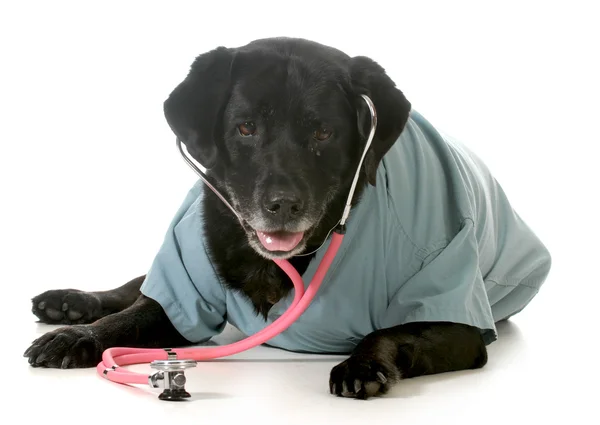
x: 435, y: 240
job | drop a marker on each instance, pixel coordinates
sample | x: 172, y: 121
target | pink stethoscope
x: 171, y: 363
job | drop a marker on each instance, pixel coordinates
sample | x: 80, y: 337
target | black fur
x: 288, y: 89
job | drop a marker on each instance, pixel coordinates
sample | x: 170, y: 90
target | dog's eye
x: 247, y: 129
x: 322, y: 134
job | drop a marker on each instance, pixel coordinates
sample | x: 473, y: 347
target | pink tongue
x: 280, y: 241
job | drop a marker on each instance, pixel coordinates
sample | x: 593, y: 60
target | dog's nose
x: 283, y: 203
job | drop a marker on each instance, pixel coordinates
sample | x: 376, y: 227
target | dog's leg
x: 386, y: 356
x: 71, y: 306
x: 144, y: 324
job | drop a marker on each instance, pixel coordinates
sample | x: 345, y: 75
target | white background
x: 90, y: 178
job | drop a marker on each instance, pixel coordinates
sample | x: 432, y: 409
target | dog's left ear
x: 392, y: 108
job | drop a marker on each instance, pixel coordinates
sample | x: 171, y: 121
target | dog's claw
x: 41, y: 358
x: 65, y: 362
x: 29, y: 351
x: 65, y: 307
x: 42, y: 305
x: 345, y: 391
x: 381, y: 377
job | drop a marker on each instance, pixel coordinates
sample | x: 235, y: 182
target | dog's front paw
x: 362, y: 376
x: 66, y: 348
x: 67, y: 307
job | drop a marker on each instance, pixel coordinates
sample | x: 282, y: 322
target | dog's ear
x: 392, y: 108
x: 193, y: 110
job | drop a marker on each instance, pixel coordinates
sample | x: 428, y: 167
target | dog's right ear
x: 193, y: 110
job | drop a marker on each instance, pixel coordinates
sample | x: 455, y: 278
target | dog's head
x: 280, y: 126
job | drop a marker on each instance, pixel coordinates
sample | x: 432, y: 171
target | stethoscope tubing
x: 113, y: 359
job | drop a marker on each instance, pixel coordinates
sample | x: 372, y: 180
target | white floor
x: 538, y: 371
x: 90, y: 179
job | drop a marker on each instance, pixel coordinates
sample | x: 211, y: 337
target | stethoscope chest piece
x: 171, y: 373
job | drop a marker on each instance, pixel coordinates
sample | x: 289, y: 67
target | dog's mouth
x: 272, y: 244
x: 279, y: 241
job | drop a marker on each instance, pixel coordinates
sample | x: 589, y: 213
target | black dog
x: 280, y: 126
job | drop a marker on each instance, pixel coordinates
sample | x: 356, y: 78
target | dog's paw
x: 361, y: 376
x: 66, y: 348
x: 67, y: 307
